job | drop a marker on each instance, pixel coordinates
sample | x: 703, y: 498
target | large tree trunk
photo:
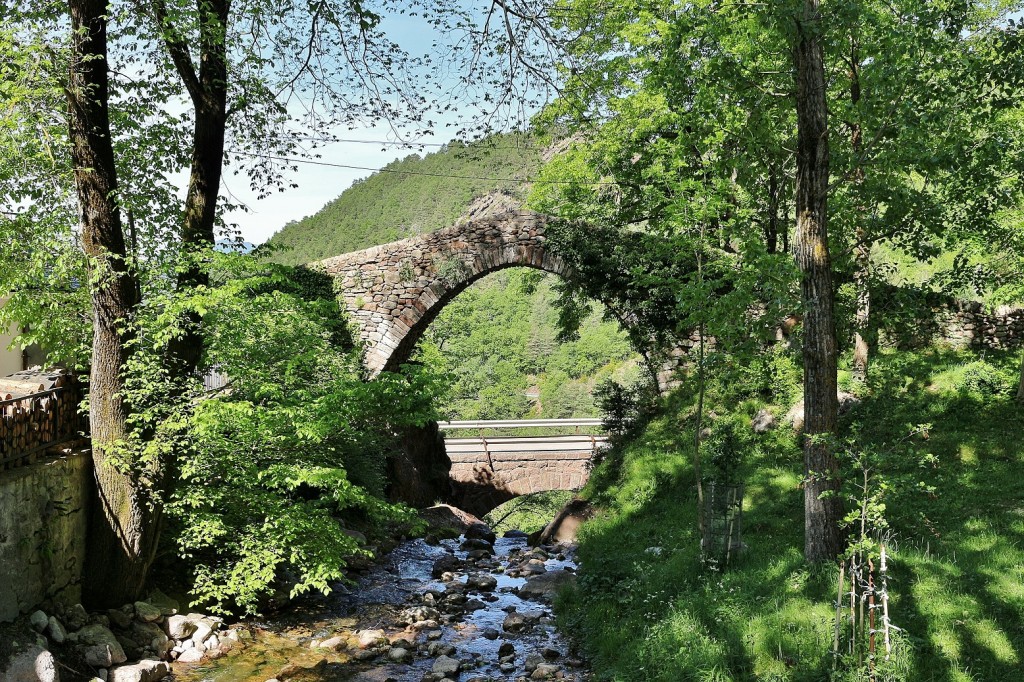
x: 823, y: 539
x: 1020, y: 385
x: 123, y: 527
x: 208, y: 89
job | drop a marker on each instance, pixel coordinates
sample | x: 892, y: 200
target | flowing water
x: 398, y: 591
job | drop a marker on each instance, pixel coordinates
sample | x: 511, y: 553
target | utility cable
x: 329, y: 164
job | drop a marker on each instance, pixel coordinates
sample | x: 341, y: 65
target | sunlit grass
x: 957, y: 566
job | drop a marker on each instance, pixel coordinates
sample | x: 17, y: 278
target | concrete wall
x: 43, y: 512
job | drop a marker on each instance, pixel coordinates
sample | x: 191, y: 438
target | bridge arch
x: 394, y: 291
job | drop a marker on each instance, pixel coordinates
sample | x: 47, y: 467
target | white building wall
x: 11, y: 360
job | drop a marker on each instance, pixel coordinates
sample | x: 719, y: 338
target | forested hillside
x: 497, y: 344
x: 410, y: 196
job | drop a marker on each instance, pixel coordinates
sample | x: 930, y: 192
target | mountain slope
x: 410, y: 196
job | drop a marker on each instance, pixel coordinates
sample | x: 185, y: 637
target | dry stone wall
x: 393, y: 291
x: 43, y: 513
x: 967, y: 325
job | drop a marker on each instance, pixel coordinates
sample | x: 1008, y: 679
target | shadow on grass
x: 645, y: 608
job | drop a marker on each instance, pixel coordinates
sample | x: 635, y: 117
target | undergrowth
x: 646, y: 609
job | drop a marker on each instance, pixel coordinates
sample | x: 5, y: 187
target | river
x: 401, y: 623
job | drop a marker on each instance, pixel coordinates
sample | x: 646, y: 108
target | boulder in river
x: 449, y: 563
x: 446, y: 666
x: 480, y: 531
x: 545, y: 586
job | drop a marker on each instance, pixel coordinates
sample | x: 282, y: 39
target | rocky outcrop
x: 566, y: 523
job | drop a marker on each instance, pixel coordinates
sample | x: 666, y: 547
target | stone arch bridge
x: 394, y: 291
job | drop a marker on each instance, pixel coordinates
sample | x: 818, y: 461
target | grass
x: 956, y: 528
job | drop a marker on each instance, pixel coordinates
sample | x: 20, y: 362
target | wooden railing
x: 32, y: 422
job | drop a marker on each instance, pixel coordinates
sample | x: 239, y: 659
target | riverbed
x: 450, y: 610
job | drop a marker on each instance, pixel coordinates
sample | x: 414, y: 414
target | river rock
x: 121, y: 617
x: 370, y: 638
x: 545, y: 671
x: 440, y: 649
x: 56, y: 631
x: 38, y: 620
x: 446, y: 666
x: 76, y: 617
x: 480, y: 531
x: 34, y: 664
x: 544, y: 587
x: 419, y: 614
x: 490, y: 633
x: 506, y: 649
x: 179, y: 627
x: 482, y: 582
x: 449, y: 563
x: 515, y: 622
x: 101, y: 649
x: 192, y: 655
x: 147, y: 613
x: 203, y: 631
x: 143, y: 671
x: 399, y: 655
x: 516, y: 534
x: 476, y: 544
x: 334, y: 643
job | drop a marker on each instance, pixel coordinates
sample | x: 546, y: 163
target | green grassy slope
x: 393, y: 205
x: 958, y: 562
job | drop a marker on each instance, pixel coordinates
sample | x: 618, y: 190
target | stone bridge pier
x: 481, y: 484
x: 393, y: 291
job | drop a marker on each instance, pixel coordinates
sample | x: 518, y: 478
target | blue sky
x: 317, y: 184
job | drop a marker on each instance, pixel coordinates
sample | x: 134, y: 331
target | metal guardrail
x: 581, y: 443
x: 517, y: 423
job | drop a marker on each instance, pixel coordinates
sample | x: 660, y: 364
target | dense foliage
x: 411, y: 196
x: 275, y: 463
x: 497, y: 343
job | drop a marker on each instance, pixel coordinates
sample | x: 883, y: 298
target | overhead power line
x: 470, y: 145
x: 312, y: 162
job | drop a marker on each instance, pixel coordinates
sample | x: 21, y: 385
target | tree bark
x: 208, y: 89
x: 822, y: 506
x: 862, y: 251
x: 1020, y: 385
x: 124, y: 526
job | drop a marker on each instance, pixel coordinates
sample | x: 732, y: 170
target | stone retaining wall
x: 43, y: 513
x: 967, y: 325
x: 481, y: 484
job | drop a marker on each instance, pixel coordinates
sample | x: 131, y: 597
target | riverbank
x: 646, y: 609
x: 471, y: 608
